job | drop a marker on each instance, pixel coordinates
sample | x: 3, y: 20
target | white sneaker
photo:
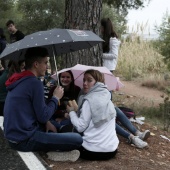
x: 64, y: 156
x: 144, y: 135
x: 138, y: 142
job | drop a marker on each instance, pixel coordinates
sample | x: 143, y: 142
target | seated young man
x: 25, y: 109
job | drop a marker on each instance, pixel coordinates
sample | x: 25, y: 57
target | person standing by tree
x: 110, y: 45
x: 15, y: 34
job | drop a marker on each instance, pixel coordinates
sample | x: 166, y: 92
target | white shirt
x: 110, y: 58
x: 96, y: 139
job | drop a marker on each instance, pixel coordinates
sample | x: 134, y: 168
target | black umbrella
x: 57, y: 41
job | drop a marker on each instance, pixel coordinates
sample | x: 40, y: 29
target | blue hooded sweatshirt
x: 25, y: 107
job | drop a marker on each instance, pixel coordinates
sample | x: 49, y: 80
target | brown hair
x: 97, y: 75
x: 72, y: 85
x: 13, y: 67
x: 9, y: 22
x: 34, y: 54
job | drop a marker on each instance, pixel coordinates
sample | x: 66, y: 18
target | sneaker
x: 64, y: 156
x: 144, y: 135
x: 138, y: 142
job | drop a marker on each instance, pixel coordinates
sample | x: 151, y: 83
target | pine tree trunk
x: 83, y: 15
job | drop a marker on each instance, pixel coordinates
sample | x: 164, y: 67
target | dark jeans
x: 42, y: 141
x: 61, y: 124
x: 92, y: 156
x: 126, y: 123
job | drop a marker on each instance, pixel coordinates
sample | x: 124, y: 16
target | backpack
x: 128, y: 112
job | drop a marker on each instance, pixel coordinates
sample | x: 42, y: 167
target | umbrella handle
x: 55, y: 63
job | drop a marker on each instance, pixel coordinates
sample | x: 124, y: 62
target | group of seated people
x: 60, y: 125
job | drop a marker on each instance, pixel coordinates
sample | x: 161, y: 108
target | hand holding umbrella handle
x: 58, y: 93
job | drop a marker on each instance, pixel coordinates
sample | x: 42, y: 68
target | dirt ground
x: 133, y: 92
x: 156, y: 156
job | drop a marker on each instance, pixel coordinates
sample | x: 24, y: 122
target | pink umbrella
x: 112, y: 82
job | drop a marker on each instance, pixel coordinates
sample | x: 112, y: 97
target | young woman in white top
x: 110, y: 45
x: 95, y: 118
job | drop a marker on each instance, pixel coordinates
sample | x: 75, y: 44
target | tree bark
x: 83, y: 15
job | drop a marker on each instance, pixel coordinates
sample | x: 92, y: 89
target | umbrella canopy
x: 57, y: 41
x: 112, y: 82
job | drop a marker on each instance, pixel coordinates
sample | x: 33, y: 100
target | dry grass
x: 157, y: 81
x: 137, y: 58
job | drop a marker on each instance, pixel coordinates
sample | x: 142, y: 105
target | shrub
x: 138, y: 58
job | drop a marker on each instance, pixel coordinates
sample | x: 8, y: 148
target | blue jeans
x: 59, y: 125
x: 125, y: 122
x: 42, y: 141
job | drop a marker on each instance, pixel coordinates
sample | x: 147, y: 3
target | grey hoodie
x: 101, y: 106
